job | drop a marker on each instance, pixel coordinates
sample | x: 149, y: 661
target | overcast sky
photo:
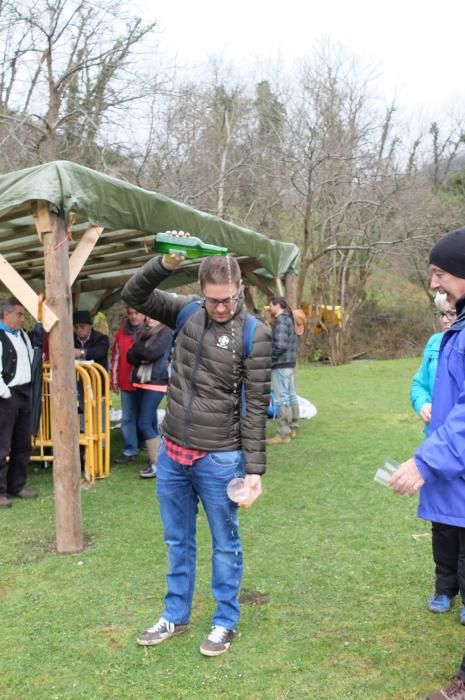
x: 418, y: 48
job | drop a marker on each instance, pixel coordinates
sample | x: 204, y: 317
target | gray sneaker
x: 160, y: 631
x: 149, y: 472
x: 218, y: 641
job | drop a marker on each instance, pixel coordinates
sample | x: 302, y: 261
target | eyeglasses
x: 450, y: 315
x: 228, y: 302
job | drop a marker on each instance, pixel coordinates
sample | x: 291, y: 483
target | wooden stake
x: 25, y: 294
x: 82, y: 251
x: 63, y: 400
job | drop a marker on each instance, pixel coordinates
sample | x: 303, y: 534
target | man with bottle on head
x: 437, y: 468
x: 211, y: 435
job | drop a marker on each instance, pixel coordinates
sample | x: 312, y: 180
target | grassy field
x: 345, y: 566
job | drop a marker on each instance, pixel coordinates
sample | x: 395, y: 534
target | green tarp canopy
x: 130, y: 216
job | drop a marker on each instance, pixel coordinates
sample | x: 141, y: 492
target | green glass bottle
x: 188, y: 246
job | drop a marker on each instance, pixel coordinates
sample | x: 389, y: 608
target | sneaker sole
x: 154, y: 642
x: 208, y: 652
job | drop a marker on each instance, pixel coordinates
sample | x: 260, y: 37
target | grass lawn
x: 345, y: 564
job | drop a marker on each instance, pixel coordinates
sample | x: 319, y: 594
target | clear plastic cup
x: 384, y: 473
x: 238, y: 491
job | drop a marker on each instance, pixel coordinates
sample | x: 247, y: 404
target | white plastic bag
x: 306, y: 408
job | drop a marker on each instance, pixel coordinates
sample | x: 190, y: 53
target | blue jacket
x: 421, y: 388
x: 441, y: 457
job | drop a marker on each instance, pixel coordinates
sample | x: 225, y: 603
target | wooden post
x: 279, y: 286
x: 63, y: 399
x: 290, y: 282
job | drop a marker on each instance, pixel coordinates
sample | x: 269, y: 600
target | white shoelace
x: 218, y: 634
x: 161, y: 625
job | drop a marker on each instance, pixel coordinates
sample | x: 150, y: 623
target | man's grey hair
x: 440, y: 300
x: 8, y: 305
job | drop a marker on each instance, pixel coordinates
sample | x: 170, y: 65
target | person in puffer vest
x: 207, y: 438
x: 15, y: 403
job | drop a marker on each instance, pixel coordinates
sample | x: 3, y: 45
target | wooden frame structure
x: 62, y: 237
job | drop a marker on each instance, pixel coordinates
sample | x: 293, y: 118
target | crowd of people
x: 221, y: 365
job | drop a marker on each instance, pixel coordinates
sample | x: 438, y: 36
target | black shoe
x: 124, y: 459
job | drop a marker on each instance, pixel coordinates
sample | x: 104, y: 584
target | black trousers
x: 15, y: 439
x: 449, y: 559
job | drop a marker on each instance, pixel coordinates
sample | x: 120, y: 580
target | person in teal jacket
x: 444, y: 541
x: 421, y: 389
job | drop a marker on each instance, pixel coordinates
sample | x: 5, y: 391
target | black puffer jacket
x: 204, y: 398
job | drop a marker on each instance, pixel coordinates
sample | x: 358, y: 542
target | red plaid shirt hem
x: 183, y: 455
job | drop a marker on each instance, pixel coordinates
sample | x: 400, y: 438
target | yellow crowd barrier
x: 323, y: 316
x: 92, y: 420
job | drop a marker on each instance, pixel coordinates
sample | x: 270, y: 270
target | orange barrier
x: 92, y: 420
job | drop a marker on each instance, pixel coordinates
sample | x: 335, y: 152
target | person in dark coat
x: 437, y: 468
x: 283, y: 362
x: 89, y: 344
x: 15, y: 403
x: 208, y: 439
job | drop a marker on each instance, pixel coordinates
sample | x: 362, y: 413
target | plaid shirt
x: 182, y: 455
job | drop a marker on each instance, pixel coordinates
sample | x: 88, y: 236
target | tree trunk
x: 64, y: 417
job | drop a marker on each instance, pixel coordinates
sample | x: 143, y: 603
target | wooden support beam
x: 27, y: 296
x: 64, y: 417
x: 96, y: 285
x: 82, y: 251
x: 252, y: 277
x: 279, y: 286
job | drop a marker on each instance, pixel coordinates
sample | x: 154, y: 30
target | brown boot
x: 278, y: 440
x: 5, y: 502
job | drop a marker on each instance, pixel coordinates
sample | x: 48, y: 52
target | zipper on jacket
x: 193, y: 384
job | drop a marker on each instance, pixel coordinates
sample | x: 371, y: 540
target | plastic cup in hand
x: 385, y: 472
x: 238, y: 491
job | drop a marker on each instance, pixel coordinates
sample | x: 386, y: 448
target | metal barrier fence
x: 92, y: 420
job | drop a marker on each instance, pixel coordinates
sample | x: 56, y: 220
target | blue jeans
x: 179, y: 490
x: 147, y: 421
x: 283, y: 385
x: 130, y: 407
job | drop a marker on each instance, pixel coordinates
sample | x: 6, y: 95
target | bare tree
x: 66, y: 69
x: 342, y: 156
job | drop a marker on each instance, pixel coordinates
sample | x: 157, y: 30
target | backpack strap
x: 248, y: 330
x: 184, y: 315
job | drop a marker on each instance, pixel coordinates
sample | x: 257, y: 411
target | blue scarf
x: 7, y: 330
